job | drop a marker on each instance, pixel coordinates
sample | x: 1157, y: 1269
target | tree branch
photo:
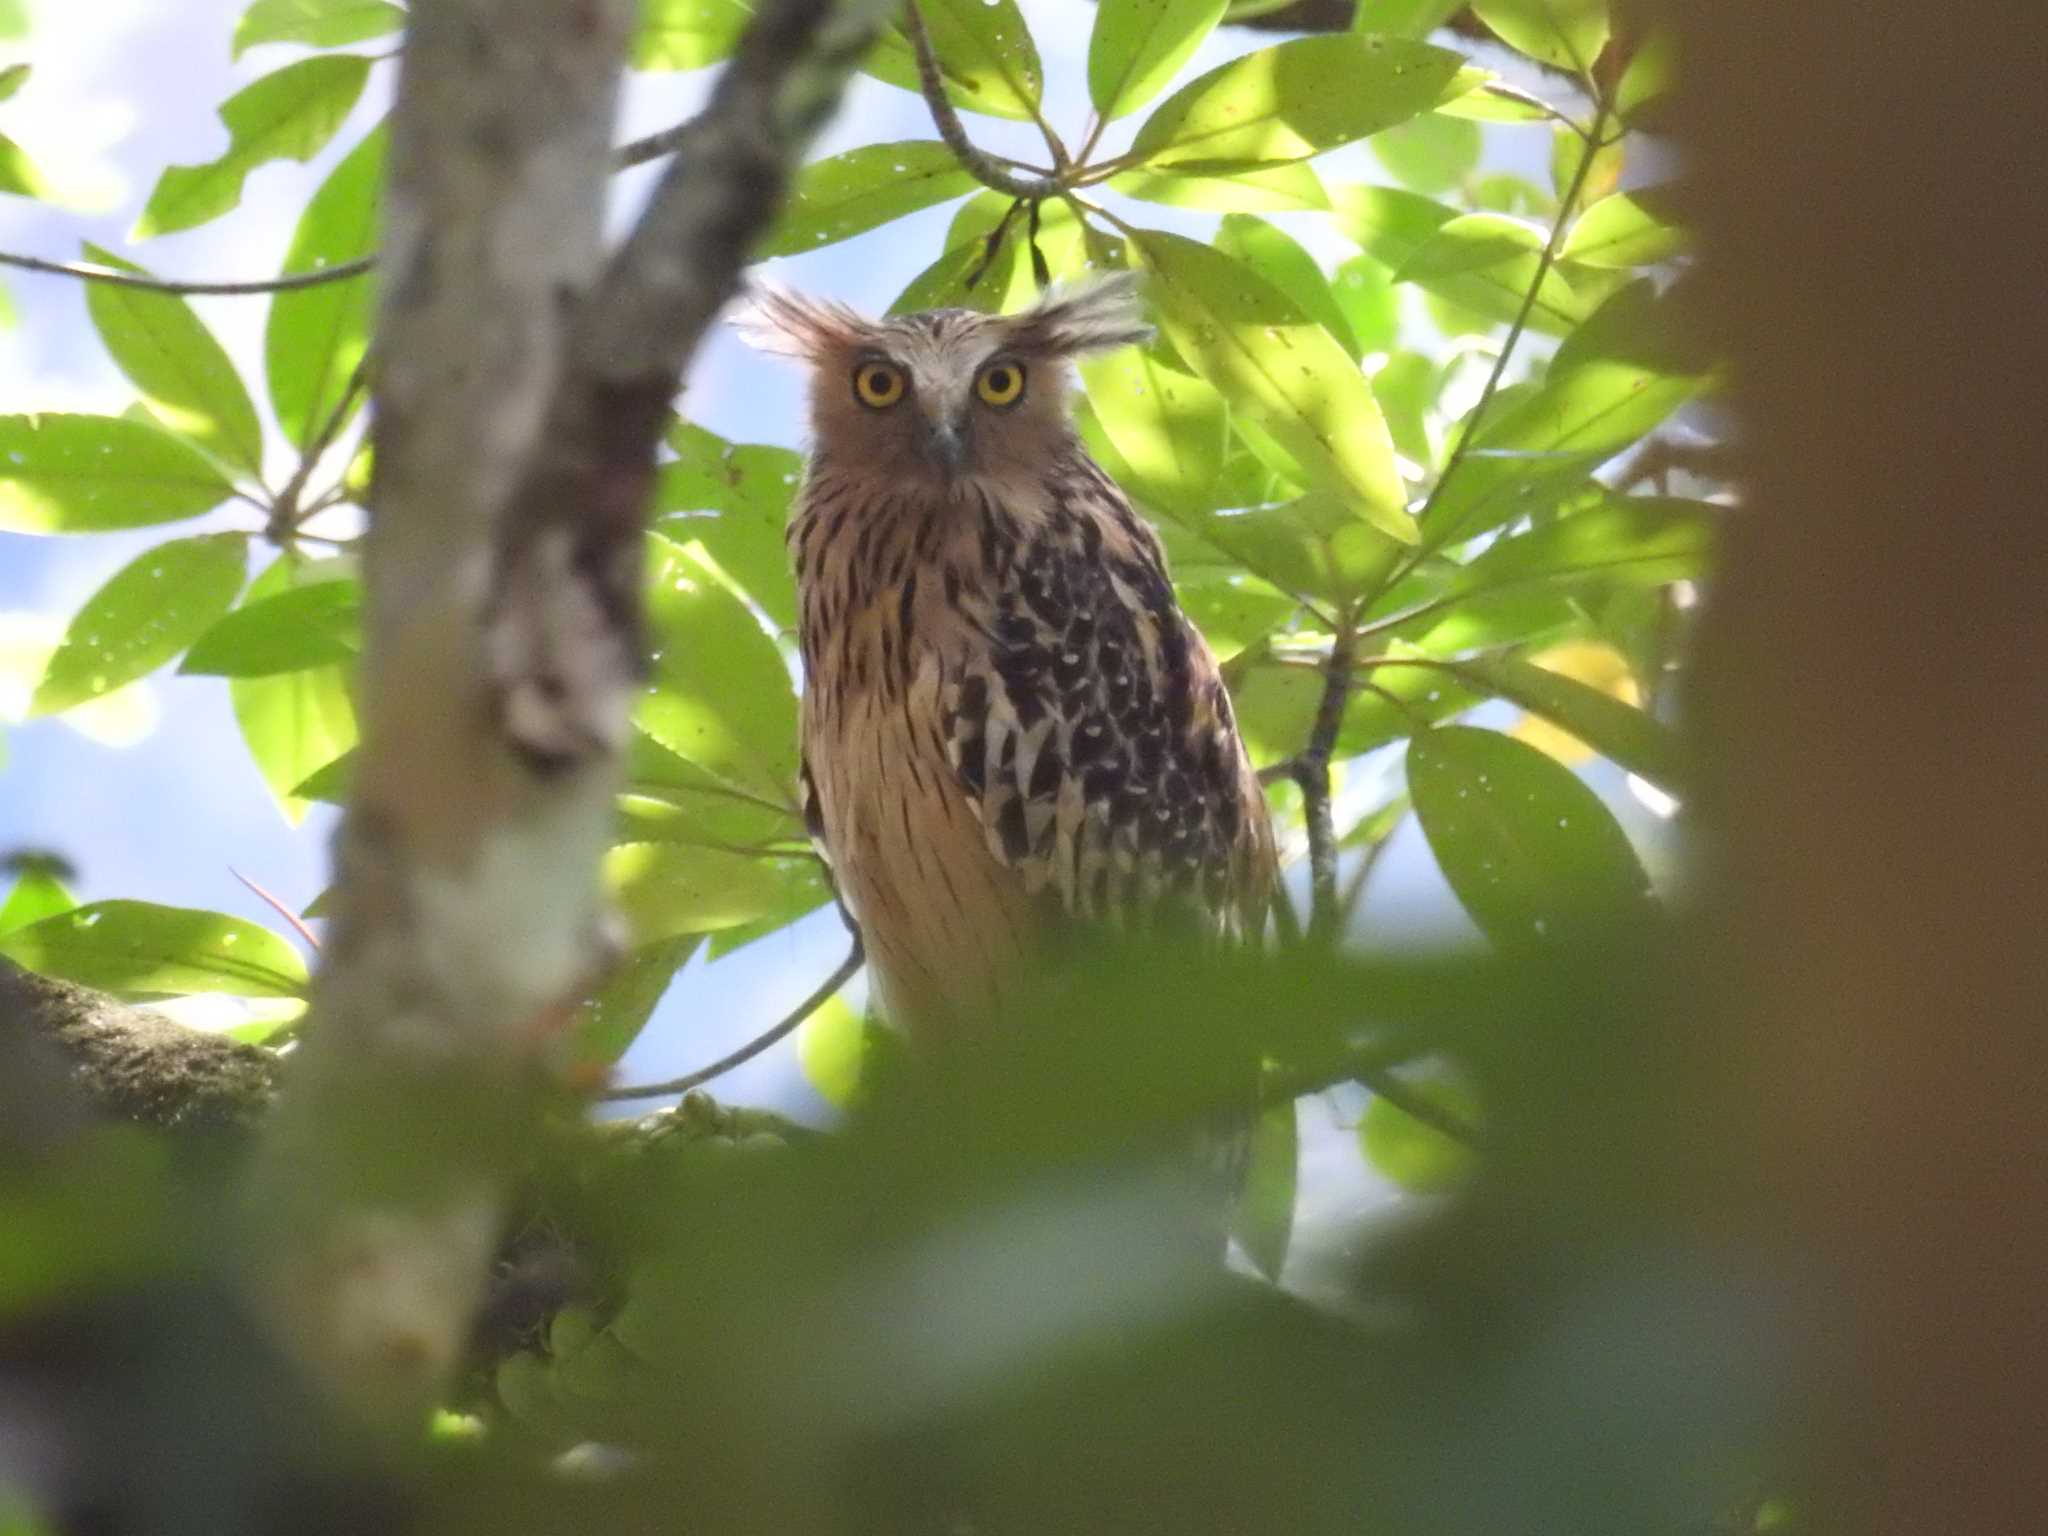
x: 754, y: 1047
x: 977, y: 162
x: 113, y: 277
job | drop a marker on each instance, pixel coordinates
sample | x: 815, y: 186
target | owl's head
x: 946, y: 393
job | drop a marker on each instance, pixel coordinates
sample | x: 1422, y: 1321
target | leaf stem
x: 977, y: 162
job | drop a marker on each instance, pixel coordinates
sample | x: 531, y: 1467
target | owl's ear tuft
x: 1097, y: 317
x: 790, y: 325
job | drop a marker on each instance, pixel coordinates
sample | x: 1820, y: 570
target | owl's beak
x: 946, y: 444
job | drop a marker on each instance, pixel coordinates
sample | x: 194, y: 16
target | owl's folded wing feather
x: 1094, y: 737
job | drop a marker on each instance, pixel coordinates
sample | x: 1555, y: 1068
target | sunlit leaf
x: 1551, y: 435
x: 136, y: 948
x: 1228, y: 186
x: 1169, y: 426
x: 1488, y: 262
x: 669, y: 888
x: 1404, y: 18
x: 185, y: 375
x: 1233, y: 612
x: 1531, y: 852
x: 1296, y: 99
x: 21, y: 176
x: 1404, y: 387
x: 315, y: 23
x: 1256, y: 345
x: 688, y: 34
x: 294, y: 723
x: 1263, y: 1222
x: 1137, y: 46
x: 1282, y: 261
x: 734, y: 499
x: 1430, y: 152
x: 39, y: 892
x: 612, y: 1020
x: 837, y: 198
x: 831, y: 1046
x: 317, y: 335
x: 1565, y: 34
x: 987, y: 58
x: 1371, y: 304
x: 309, y: 626
x: 1582, y: 699
x: 146, y: 613
x: 1626, y: 229
x: 721, y: 697
x: 12, y: 79
x: 288, y: 115
x: 1416, y: 1156
x: 88, y: 474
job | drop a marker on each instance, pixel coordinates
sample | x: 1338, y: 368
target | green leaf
x: 184, y: 374
x: 21, y: 176
x: 1531, y: 852
x: 1431, y: 152
x: 1646, y: 85
x: 1417, y: 1157
x: 841, y: 197
x: 1488, y: 262
x: 1388, y: 224
x: 1139, y: 45
x: 1257, y: 347
x: 1404, y: 387
x: 136, y: 948
x: 1404, y: 18
x: 12, y: 79
x: 316, y: 336
x: 1233, y: 612
x: 670, y: 888
x: 1263, y: 1221
x: 734, y: 499
x: 612, y: 1020
x: 288, y: 115
x: 1296, y: 99
x: 721, y: 697
x: 1565, y: 34
x: 148, y: 611
x: 311, y: 626
x: 315, y: 23
x: 1280, y: 259
x: 1552, y: 434
x: 1617, y: 731
x: 1365, y: 292
x: 1631, y: 540
x: 832, y: 1047
x: 985, y: 52
x: 1626, y: 229
x: 39, y: 892
x: 89, y: 474
x: 1227, y: 186
x: 1169, y: 426
x: 688, y: 34
x: 294, y: 723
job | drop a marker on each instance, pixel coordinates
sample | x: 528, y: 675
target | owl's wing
x: 1092, y: 732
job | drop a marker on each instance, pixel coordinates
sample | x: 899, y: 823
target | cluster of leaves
x: 1324, y: 481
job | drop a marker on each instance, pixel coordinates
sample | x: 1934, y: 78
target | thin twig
x: 285, y: 512
x: 1432, y: 540
x: 1312, y: 773
x: 277, y: 906
x: 638, y: 152
x: 1420, y: 1107
x: 755, y: 1046
x: 113, y: 277
x: 978, y: 163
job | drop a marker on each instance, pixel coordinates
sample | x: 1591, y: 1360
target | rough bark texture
x: 467, y: 913
x: 1868, y: 682
x: 520, y: 383
x: 128, y: 1062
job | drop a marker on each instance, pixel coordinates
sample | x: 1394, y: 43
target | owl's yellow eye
x: 877, y: 385
x: 1000, y: 384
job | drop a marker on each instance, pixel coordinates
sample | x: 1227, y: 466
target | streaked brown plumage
x: 1008, y: 724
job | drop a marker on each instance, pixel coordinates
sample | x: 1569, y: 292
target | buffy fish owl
x: 1009, y: 726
